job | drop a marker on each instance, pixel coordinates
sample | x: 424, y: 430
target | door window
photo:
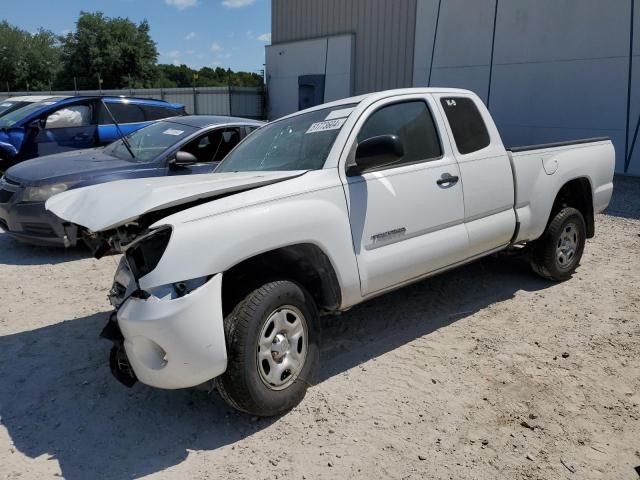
x: 250, y: 129
x: 122, y: 112
x: 154, y: 112
x: 215, y: 145
x: 69, y: 117
x: 467, y: 125
x: 413, y: 123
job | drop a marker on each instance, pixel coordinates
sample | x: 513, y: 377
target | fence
x: 236, y: 101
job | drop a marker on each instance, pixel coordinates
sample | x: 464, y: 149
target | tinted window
x: 413, y: 123
x: 467, y: 125
x: 154, y: 112
x: 122, y: 112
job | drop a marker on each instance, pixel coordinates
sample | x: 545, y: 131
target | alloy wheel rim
x: 281, y: 348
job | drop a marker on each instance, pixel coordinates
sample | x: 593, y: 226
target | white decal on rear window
x: 171, y: 131
x: 5, y: 104
x: 344, y: 112
x: 326, y: 125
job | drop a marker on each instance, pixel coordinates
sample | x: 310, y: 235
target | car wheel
x: 557, y: 254
x: 271, y: 348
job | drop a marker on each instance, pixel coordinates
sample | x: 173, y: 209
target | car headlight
x: 43, y: 193
x: 144, y: 253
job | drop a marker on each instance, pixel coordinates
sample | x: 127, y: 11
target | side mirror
x: 376, y: 152
x: 183, y: 159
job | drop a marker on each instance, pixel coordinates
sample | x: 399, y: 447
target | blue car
x: 61, y: 124
x: 175, y: 146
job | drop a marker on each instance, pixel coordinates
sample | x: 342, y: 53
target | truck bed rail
x: 557, y: 144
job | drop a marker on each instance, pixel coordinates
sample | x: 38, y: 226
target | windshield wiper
x: 122, y: 137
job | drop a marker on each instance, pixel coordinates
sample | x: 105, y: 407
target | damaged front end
x: 141, y: 255
x: 169, y: 335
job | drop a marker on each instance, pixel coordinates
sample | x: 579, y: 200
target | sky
x: 226, y: 33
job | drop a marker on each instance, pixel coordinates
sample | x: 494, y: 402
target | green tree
x: 183, y: 76
x: 115, y: 50
x: 27, y: 61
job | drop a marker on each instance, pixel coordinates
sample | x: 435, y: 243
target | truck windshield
x: 149, y: 142
x: 301, y: 142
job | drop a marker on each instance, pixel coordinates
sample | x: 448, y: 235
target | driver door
x: 407, y: 218
x: 70, y: 127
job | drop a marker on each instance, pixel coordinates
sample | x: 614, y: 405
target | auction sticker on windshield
x: 171, y: 131
x: 326, y: 125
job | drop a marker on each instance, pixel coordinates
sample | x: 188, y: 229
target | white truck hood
x: 109, y: 205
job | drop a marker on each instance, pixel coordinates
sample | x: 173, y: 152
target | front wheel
x: 557, y: 254
x: 271, y: 347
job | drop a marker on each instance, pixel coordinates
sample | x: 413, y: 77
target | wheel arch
x: 576, y: 193
x: 303, y: 263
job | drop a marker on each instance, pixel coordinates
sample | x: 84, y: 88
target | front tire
x: 557, y: 254
x: 271, y: 347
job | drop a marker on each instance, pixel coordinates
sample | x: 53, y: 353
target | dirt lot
x: 485, y: 372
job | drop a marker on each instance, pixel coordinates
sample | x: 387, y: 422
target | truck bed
x: 540, y: 171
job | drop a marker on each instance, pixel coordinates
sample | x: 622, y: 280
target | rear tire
x: 271, y: 347
x: 557, y: 254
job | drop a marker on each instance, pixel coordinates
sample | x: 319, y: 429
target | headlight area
x: 44, y: 192
x: 142, y: 257
x: 178, y: 289
x: 144, y: 253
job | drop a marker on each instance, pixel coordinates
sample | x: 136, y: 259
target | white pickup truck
x: 224, y: 275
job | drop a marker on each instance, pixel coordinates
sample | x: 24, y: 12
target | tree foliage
x: 116, y: 51
x: 28, y: 61
x: 184, y: 76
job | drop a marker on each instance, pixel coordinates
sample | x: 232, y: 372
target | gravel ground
x: 484, y: 372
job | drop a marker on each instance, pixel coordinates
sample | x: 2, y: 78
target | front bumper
x: 175, y: 343
x: 32, y: 223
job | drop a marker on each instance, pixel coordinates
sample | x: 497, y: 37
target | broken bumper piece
x: 173, y: 342
x: 118, y: 360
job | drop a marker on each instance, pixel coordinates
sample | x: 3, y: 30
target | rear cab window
x: 469, y: 130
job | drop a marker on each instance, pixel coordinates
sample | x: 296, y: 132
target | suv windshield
x: 149, y: 142
x: 10, y: 106
x: 10, y: 119
x: 301, y: 142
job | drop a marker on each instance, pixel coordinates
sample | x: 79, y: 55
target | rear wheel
x: 557, y: 254
x: 272, y: 351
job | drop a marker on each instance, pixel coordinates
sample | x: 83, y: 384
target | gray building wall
x: 549, y: 70
x: 384, y: 33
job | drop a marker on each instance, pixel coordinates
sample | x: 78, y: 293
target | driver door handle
x: 452, y: 179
